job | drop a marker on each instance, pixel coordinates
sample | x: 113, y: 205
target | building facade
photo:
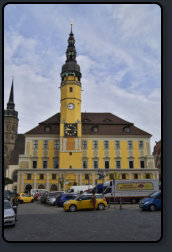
x: 74, y: 148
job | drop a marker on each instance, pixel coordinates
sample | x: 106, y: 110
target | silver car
x: 9, y: 215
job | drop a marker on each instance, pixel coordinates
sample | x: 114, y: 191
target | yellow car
x: 84, y: 202
x: 24, y: 198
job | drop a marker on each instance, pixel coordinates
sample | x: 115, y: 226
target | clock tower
x: 70, y: 110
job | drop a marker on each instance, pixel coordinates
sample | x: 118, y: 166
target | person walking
x: 15, y: 205
x: 94, y: 200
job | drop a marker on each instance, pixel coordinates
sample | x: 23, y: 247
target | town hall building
x: 78, y: 148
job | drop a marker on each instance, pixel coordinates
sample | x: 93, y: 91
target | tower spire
x: 10, y: 104
x: 71, y: 67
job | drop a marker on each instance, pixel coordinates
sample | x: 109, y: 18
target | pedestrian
x: 93, y: 198
x: 15, y: 204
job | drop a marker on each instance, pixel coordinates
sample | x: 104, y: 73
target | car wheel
x: 72, y: 208
x: 101, y: 206
x: 152, y: 208
x: 21, y: 201
x: 32, y: 201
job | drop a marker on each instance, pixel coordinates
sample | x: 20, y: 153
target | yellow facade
x: 71, y: 163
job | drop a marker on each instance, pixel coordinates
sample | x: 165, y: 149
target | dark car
x: 7, y: 194
x: 64, y: 197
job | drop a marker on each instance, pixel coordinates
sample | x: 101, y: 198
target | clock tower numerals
x: 70, y: 129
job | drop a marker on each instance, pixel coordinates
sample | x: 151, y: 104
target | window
x: 29, y: 176
x: 135, y: 176
x: 56, y: 144
x: 84, y: 164
x: 127, y: 129
x: 41, y: 176
x: 84, y: 144
x: 117, y: 144
x: 106, y: 144
x: 87, y: 176
x: 95, y: 129
x: 47, y: 128
x: 54, y: 176
x: 106, y: 164
x: 147, y: 176
x: 56, y: 164
x: 95, y: 145
x: 95, y: 163
x: 123, y: 176
x: 130, y: 144
x: 45, y: 164
x: 35, y: 144
x: 131, y: 164
x: 70, y: 89
x: 118, y: 164
x: 140, y: 144
x: 45, y: 144
x: 34, y: 164
x: 142, y: 164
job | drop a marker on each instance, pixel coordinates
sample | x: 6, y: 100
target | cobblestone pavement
x: 38, y: 222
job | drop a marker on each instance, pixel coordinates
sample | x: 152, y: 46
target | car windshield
x: 154, y: 194
x: 7, y: 205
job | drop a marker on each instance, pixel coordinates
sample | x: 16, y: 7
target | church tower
x: 10, y: 128
x: 70, y: 111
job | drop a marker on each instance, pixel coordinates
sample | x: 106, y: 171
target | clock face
x: 70, y: 129
x: 70, y: 106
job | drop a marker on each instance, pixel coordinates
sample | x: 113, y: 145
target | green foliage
x: 8, y: 181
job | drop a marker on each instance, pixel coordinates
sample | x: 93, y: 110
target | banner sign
x: 135, y: 186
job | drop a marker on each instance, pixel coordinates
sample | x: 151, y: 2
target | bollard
x: 120, y: 204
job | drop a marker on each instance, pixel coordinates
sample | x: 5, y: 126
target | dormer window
x: 47, y: 128
x: 95, y: 129
x: 127, y: 129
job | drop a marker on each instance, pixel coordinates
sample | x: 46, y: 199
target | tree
x: 7, y: 181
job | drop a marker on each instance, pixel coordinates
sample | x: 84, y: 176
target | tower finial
x: 71, y: 23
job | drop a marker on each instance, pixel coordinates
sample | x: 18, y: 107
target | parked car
x: 9, y: 214
x: 84, y: 202
x: 64, y: 197
x: 152, y: 202
x: 38, y: 195
x: 43, y: 197
x: 25, y: 198
x: 51, y: 198
x: 7, y: 194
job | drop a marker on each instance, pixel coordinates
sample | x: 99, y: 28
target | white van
x: 79, y: 189
x: 34, y: 191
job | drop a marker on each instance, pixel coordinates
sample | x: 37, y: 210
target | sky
x: 118, y: 49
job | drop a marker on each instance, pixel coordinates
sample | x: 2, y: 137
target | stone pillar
x: 48, y: 181
x: 76, y: 178
x: 130, y: 176
x: 34, y: 180
x: 80, y: 178
x: 18, y: 182
x: 93, y: 179
x: 22, y: 182
x: 141, y: 175
x: 59, y: 181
